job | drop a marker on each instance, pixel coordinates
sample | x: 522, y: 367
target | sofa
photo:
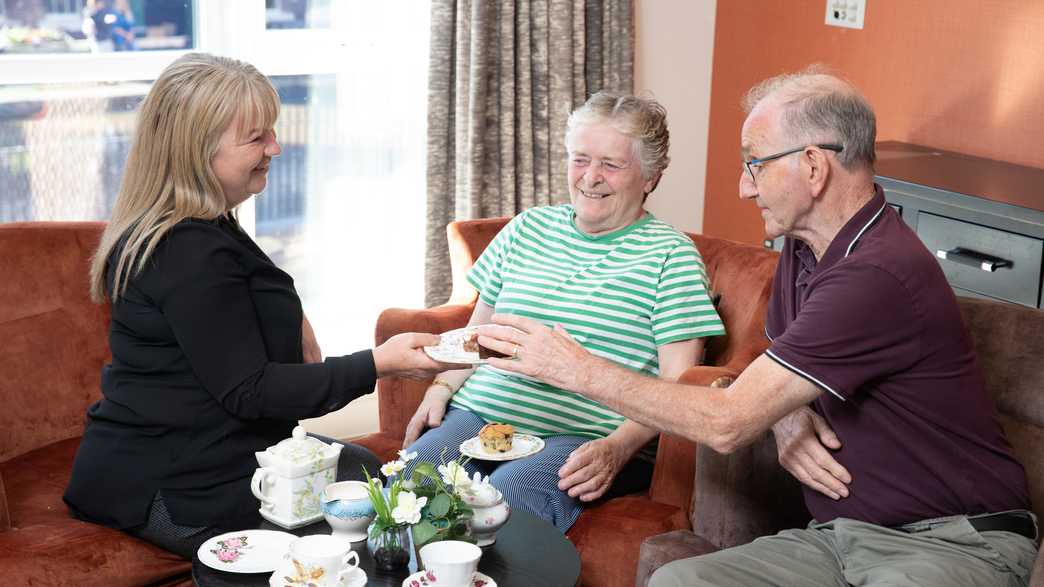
x: 747, y: 494
x: 53, y: 343
x: 609, y: 532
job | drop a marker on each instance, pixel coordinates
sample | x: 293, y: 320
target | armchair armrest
x: 5, y: 516
x: 676, y: 456
x: 398, y: 398
x: 435, y: 320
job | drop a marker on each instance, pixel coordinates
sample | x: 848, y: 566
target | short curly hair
x: 642, y: 119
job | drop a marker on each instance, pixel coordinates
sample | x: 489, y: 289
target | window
x: 344, y: 209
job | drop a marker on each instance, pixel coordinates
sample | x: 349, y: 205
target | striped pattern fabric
x: 621, y: 295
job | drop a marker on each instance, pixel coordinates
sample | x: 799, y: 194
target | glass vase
x: 389, y: 547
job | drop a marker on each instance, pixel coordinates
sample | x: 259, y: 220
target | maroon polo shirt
x: 875, y: 325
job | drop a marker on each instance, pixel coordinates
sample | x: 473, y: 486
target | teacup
x: 452, y: 562
x: 347, y: 508
x: 320, y: 559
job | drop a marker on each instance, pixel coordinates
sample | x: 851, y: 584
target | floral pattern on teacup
x: 304, y: 576
x: 429, y: 579
x: 230, y: 550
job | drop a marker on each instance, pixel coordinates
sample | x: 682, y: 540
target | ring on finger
x: 514, y: 352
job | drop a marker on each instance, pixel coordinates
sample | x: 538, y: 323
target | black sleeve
x: 199, y: 282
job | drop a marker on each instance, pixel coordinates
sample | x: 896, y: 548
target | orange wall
x: 960, y: 75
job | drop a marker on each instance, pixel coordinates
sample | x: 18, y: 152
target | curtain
x: 503, y: 77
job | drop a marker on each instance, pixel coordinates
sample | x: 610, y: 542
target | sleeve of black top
x: 199, y: 283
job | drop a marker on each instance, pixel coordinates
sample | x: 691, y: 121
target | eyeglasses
x: 753, y: 164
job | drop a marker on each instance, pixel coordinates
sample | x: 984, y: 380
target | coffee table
x: 528, y: 552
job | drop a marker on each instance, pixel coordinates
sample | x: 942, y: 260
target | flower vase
x: 389, y: 547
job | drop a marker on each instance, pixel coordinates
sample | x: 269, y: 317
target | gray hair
x: 642, y: 119
x: 822, y: 108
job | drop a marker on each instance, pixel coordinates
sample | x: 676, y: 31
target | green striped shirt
x: 621, y: 295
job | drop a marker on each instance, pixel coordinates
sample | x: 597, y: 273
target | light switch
x: 845, y: 13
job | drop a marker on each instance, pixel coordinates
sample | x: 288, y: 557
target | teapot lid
x: 299, y: 448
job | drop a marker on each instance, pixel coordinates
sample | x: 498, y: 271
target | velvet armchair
x: 608, y: 534
x: 747, y: 494
x: 55, y: 341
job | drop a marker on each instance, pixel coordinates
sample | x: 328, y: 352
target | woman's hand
x: 429, y: 413
x: 802, y: 440
x: 309, y: 344
x: 403, y: 356
x: 590, y: 469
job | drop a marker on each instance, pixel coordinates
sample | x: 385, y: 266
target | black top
x: 206, y: 369
x: 876, y: 326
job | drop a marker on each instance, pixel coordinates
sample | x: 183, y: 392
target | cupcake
x: 496, y: 437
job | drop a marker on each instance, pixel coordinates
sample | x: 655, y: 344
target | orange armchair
x: 609, y: 532
x: 55, y: 341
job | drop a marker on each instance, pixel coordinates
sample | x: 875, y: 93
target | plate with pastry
x: 461, y: 346
x: 500, y: 442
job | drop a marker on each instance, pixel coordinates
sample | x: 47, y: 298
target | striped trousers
x: 529, y: 483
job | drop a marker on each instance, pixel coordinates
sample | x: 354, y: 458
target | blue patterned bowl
x: 347, y: 508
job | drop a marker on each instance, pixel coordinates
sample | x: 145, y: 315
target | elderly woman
x: 627, y: 286
x: 212, y: 357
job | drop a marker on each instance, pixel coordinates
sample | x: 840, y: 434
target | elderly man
x: 870, y: 381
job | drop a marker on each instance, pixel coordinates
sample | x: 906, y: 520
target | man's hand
x: 429, y: 413
x: 309, y: 344
x: 591, y: 468
x: 537, y: 351
x: 802, y: 440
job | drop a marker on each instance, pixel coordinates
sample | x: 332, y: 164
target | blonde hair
x: 168, y: 175
x: 642, y: 119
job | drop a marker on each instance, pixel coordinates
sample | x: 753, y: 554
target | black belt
x: 1017, y: 522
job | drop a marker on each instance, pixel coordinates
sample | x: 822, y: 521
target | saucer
x: 424, y: 579
x: 356, y: 578
x: 522, y: 445
x: 245, y: 551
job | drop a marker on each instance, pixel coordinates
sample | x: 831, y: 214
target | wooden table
x: 529, y: 552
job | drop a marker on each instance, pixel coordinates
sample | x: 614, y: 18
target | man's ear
x: 817, y: 170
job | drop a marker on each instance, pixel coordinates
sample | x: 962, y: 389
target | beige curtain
x: 504, y: 76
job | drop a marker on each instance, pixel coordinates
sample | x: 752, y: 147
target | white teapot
x: 291, y: 478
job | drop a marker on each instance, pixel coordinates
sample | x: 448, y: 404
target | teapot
x: 291, y: 478
x: 489, y: 510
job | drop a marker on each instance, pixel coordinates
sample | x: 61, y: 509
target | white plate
x: 522, y: 445
x: 250, y: 551
x: 423, y: 579
x: 451, y: 348
x: 356, y: 578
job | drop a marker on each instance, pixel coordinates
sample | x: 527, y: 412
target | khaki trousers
x: 943, y: 551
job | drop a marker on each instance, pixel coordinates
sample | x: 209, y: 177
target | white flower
x: 454, y: 474
x: 407, y: 456
x: 392, y: 468
x: 408, y: 508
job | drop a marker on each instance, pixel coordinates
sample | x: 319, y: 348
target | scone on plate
x: 496, y: 437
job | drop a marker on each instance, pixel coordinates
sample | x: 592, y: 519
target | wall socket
x: 845, y: 13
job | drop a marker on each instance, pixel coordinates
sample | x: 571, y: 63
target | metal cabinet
x: 983, y: 219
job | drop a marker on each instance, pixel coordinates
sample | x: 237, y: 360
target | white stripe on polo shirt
x: 804, y: 374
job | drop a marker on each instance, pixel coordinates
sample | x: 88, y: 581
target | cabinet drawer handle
x: 971, y: 258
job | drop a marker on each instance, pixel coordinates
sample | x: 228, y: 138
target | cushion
x: 46, y: 546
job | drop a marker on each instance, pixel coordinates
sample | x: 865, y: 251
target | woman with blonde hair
x: 212, y: 357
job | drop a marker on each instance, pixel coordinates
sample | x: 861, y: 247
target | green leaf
x: 439, y: 506
x: 423, y: 532
x: 425, y: 469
